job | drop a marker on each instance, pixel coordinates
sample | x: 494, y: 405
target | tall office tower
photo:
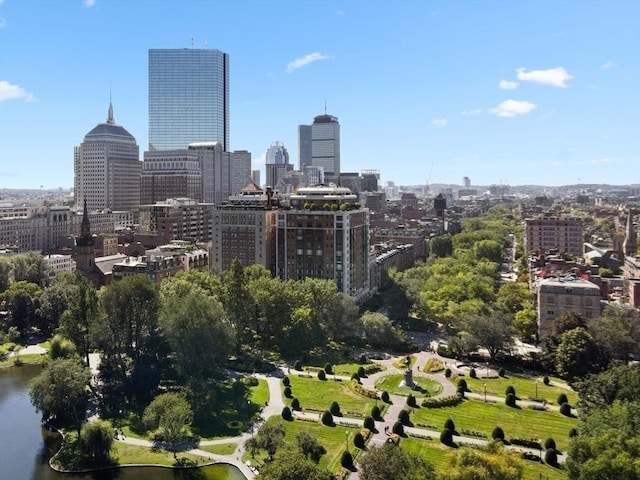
x: 325, y: 234
x: 304, y: 146
x: 188, y: 98
x: 325, y: 144
x: 313, y: 175
x: 277, y: 164
x: 255, y: 176
x: 466, y: 181
x: 107, y: 168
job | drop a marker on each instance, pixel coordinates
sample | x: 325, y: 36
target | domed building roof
x: 109, y: 129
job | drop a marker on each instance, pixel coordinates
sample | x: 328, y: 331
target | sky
x: 503, y: 92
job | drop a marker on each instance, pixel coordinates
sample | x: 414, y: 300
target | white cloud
x: 511, y: 108
x: 89, y: 3
x: 556, y: 77
x: 475, y: 111
x: 306, y: 60
x: 507, y: 85
x: 12, y: 92
x: 609, y: 64
x: 600, y: 161
x: 440, y: 122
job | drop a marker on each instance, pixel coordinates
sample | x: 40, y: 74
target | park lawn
x: 391, y: 383
x: 525, y: 388
x: 348, y: 369
x: 475, y: 415
x: 31, y: 358
x: 331, y: 438
x: 440, y: 457
x: 220, y: 448
x: 317, y: 395
x: 260, y: 393
x: 125, y: 454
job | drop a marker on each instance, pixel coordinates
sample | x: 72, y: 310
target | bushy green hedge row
x: 450, y: 401
x: 363, y: 391
x: 526, y: 442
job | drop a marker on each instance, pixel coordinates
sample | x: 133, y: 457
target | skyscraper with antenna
x: 319, y: 143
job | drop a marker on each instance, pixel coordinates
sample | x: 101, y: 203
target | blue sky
x: 521, y: 92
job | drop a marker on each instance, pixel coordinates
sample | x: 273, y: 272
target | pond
x: 25, y: 447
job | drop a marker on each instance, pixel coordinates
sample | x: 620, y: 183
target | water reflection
x: 25, y: 447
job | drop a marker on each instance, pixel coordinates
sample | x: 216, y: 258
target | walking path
x: 276, y: 403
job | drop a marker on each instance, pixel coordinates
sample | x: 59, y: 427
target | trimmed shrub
x: 385, y: 396
x: 551, y: 457
x: 361, y: 372
x: 546, y: 380
x: 398, y: 428
x: 573, y: 433
x: 498, y: 434
x: 328, y: 368
x: 447, y: 372
x: 550, y: 443
x: 446, y: 437
x: 472, y: 373
x: 403, y: 417
x: 286, y: 413
x: 327, y: 418
x: 369, y: 423
x: 461, y: 391
x: 286, y: 382
x: 346, y: 460
x: 295, y: 404
x: 335, y: 408
x: 358, y: 440
x: 501, y: 372
x: 565, y: 409
x: 562, y: 398
x: 449, y: 425
x: 298, y: 365
x: 363, y: 358
x: 510, y: 400
x: 439, y: 402
x: 322, y: 375
x: 411, y: 400
x: 355, y: 377
x: 287, y: 392
x: 375, y: 411
x: 462, y: 384
x: 510, y: 390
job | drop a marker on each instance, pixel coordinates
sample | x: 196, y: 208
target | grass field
x: 391, y: 383
x: 260, y: 393
x: 525, y: 388
x: 220, y: 448
x: 440, y: 457
x: 333, y: 439
x: 318, y: 395
x: 482, y: 417
x: 27, y: 358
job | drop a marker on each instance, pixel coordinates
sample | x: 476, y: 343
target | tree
x: 61, y: 347
x: 31, y: 268
x: 617, y: 331
x: 489, y: 250
x: 494, y: 332
x: 290, y: 464
x: 237, y: 302
x: 525, y: 323
x: 578, y: 354
x: 390, y: 461
x: 97, y: 440
x: 56, y: 299
x: 171, y: 414
x: 22, y: 300
x: 199, y: 333
x: 513, y: 297
x: 599, y: 391
x: 309, y: 446
x: 441, y: 246
x: 494, y: 463
x: 379, y: 331
x: 270, y: 437
x: 6, y: 267
x: 60, y: 390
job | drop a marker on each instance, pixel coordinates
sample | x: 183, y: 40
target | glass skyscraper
x: 188, y: 98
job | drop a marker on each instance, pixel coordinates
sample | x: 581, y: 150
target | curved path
x: 276, y: 403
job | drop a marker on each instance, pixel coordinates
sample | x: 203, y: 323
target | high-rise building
x: 188, y: 98
x: 319, y: 144
x: 170, y: 174
x: 547, y: 233
x: 107, y: 168
x: 304, y: 146
x: 325, y: 235
x: 277, y: 164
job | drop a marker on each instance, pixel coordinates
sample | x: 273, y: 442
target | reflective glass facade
x: 188, y: 98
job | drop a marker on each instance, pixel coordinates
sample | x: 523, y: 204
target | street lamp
x: 346, y: 439
x: 485, y: 393
x: 536, y: 388
x: 487, y: 375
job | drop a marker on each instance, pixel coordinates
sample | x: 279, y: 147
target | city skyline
x: 501, y: 92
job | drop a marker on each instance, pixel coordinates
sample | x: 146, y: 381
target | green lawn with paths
x: 525, y: 388
x: 475, y: 415
x: 440, y: 457
x: 317, y: 395
x: 220, y: 448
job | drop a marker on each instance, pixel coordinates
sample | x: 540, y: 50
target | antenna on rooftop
x: 325, y: 106
x: 191, y: 42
